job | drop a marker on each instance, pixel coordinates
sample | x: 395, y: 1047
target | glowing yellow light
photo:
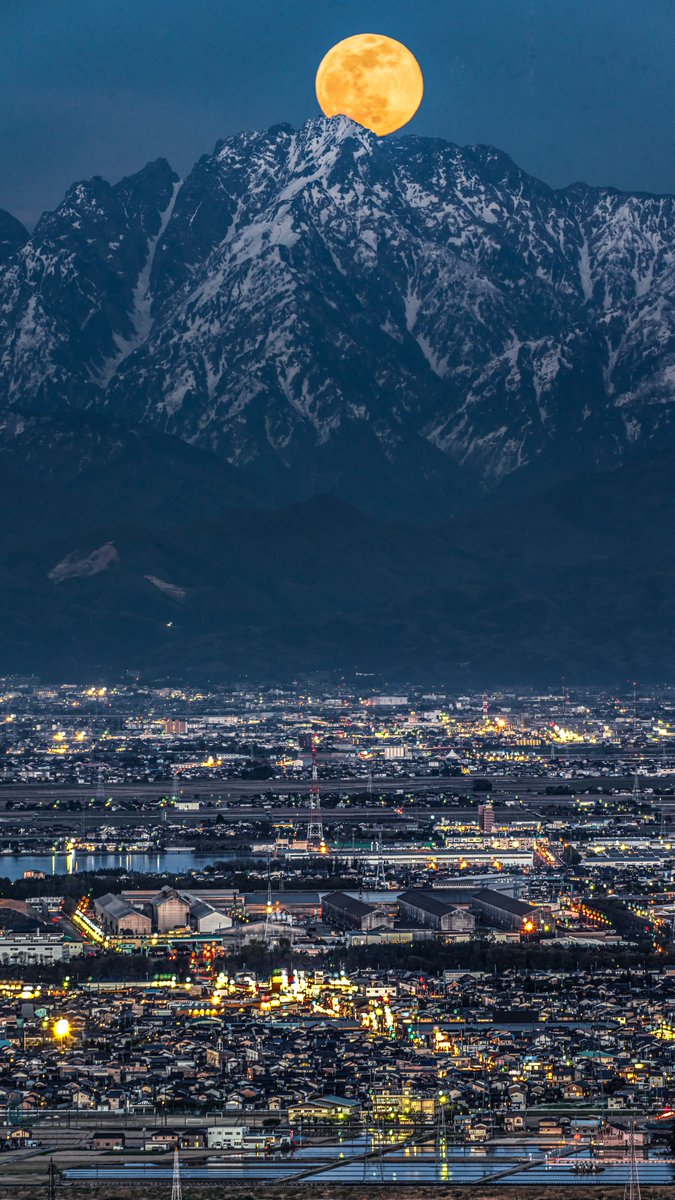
x: 61, y: 1028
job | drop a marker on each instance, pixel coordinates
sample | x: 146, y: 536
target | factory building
x: 159, y: 912
x: 117, y: 916
x: 300, y: 906
x: 345, y: 911
x: 206, y: 919
x: 170, y: 911
x: 507, y: 913
x: 433, y: 911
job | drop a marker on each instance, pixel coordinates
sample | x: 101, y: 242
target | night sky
x: 572, y: 89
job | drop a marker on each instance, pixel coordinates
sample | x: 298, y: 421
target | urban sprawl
x: 337, y: 936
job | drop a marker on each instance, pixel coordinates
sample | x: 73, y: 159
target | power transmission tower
x: 564, y: 748
x: 51, y: 1181
x: 100, y: 790
x: 637, y: 794
x: 269, y: 909
x: 380, y: 880
x: 175, y: 786
x: 314, y: 823
x: 176, y: 1190
x: 441, y: 1138
x: 632, y: 1188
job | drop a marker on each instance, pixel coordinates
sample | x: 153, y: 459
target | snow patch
x: 95, y: 563
x: 169, y: 589
x: 141, y: 314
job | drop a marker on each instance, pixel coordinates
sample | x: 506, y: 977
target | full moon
x: 373, y: 79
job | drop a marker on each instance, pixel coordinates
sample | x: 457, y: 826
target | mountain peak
x: 340, y: 311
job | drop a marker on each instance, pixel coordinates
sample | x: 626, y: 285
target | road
x: 504, y: 787
x: 234, y: 801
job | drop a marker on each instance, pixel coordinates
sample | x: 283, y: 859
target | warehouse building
x: 435, y: 912
x: 160, y: 912
x: 507, y: 913
x: 117, y: 916
x: 170, y: 911
x: 206, y: 919
x: 345, y: 911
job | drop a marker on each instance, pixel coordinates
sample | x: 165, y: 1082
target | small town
x: 251, y: 1073
x: 360, y: 939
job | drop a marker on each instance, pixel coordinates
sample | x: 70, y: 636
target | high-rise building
x: 175, y: 725
x: 486, y: 817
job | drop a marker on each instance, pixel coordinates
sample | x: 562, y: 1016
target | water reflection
x: 72, y: 862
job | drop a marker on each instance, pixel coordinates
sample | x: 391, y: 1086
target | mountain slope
x: 105, y: 571
x: 12, y: 236
x: 337, y: 402
x: 321, y: 305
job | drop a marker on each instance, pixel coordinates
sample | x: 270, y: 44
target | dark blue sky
x: 572, y: 89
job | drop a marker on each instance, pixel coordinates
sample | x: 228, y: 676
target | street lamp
x: 61, y: 1028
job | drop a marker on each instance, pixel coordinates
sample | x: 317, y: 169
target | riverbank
x: 203, y: 1190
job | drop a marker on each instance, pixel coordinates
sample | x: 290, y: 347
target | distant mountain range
x: 334, y: 402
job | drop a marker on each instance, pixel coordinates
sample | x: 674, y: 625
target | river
x: 13, y: 866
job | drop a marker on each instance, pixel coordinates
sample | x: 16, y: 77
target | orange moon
x: 373, y: 79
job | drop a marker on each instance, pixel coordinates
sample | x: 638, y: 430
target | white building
x: 233, y: 1137
x: 36, y: 948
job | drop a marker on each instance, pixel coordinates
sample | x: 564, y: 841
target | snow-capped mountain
x: 340, y: 305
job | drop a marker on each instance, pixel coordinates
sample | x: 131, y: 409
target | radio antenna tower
x: 632, y: 1188
x: 314, y: 822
